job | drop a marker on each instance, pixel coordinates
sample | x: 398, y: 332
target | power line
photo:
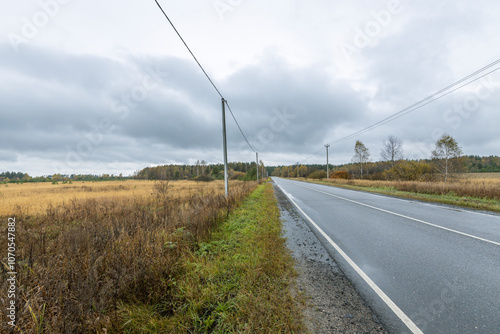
x: 251, y: 147
x: 187, y: 47
x: 393, y: 117
x: 206, y: 74
x: 422, y: 103
x: 429, y: 99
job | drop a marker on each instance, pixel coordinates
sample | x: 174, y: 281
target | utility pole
x: 224, y: 144
x: 257, y: 164
x: 327, y: 171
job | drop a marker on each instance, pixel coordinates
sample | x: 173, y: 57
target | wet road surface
x: 332, y: 304
x: 422, y: 268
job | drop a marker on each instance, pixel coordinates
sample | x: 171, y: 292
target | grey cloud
x: 53, y: 100
x: 318, y: 101
x: 8, y: 156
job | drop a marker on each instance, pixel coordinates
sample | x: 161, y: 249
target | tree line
x: 202, y: 171
x: 446, y: 160
x: 19, y: 177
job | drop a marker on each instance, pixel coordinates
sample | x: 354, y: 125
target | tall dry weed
x: 78, y: 262
x: 487, y: 189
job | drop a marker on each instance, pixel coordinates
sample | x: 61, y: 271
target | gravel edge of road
x: 332, y: 303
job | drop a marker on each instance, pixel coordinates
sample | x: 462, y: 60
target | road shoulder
x: 332, y: 303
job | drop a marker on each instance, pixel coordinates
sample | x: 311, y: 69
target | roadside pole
x: 327, y: 171
x: 257, y: 164
x: 224, y: 145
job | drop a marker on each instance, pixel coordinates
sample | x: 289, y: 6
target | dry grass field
x: 481, y: 176
x: 484, y: 185
x: 479, y: 191
x: 35, y: 198
x: 83, y: 250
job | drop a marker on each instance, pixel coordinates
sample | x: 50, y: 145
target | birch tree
x: 447, y: 155
x: 361, y: 155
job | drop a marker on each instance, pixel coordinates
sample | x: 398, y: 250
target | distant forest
x: 203, y: 172
x: 379, y: 170
x: 199, y: 172
x: 14, y: 177
x: 245, y: 171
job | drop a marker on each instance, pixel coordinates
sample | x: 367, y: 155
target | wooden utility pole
x: 224, y: 144
x: 327, y: 171
x: 257, y: 164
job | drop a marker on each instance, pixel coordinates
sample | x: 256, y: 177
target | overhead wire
x: 407, y: 111
x: 187, y: 47
x: 206, y: 74
x: 431, y: 98
x: 228, y: 107
x: 420, y: 104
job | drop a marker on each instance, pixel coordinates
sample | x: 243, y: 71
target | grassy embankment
x: 236, y: 283
x: 150, y: 257
x: 481, y: 192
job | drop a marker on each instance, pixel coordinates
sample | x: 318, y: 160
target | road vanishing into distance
x: 422, y: 268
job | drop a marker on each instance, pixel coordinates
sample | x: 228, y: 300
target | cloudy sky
x: 107, y: 86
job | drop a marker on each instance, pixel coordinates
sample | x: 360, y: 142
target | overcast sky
x: 107, y: 86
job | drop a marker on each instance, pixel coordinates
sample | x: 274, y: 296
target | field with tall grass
x: 478, y: 191
x: 98, y: 257
x: 35, y: 198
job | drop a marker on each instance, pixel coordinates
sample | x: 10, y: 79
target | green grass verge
x: 450, y: 199
x: 236, y: 283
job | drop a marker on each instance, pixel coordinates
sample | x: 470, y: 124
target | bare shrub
x: 341, y: 174
x: 317, y: 175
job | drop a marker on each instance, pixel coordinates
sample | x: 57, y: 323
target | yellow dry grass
x: 490, y: 180
x: 489, y: 177
x: 35, y: 198
x: 485, y: 185
x: 110, y: 244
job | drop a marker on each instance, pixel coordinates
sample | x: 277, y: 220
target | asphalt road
x: 422, y: 268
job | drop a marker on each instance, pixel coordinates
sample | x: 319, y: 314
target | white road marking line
x: 403, y: 216
x: 401, y: 315
x: 462, y: 209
